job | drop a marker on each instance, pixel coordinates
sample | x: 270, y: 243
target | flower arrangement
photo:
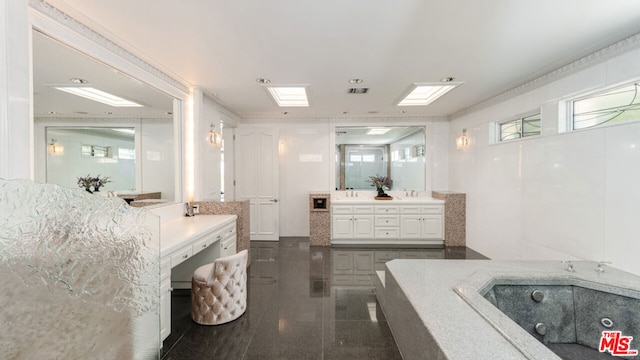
x: 380, y: 182
x: 88, y: 182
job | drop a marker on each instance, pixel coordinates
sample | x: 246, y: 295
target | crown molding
x: 45, y: 9
x: 600, y: 56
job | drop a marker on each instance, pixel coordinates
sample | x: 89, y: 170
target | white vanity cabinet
x: 228, y: 243
x: 352, y: 222
x: 185, y: 244
x: 165, y: 298
x: 422, y: 222
x: 389, y: 222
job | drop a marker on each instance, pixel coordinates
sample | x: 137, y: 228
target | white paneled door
x: 257, y: 179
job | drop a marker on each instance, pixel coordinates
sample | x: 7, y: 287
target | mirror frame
x: 66, y: 30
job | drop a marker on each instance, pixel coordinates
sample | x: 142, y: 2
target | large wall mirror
x: 397, y: 152
x: 77, y: 134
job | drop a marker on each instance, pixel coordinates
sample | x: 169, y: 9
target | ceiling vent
x: 358, y: 90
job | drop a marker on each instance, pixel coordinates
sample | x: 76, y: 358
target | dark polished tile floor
x: 302, y: 304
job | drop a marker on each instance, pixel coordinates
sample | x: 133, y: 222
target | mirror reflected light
x: 54, y: 148
x: 98, y: 95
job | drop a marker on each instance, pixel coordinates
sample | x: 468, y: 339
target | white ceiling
x: 224, y: 46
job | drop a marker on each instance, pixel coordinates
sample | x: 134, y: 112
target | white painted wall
x: 559, y: 195
x: 305, y: 164
x: 16, y: 144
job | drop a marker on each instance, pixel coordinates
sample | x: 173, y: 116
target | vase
x: 380, y: 192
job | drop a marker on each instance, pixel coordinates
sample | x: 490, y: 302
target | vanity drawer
x: 387, y: 209
x: 362, y: 209
x: 181, y: 255
x: 342, y: 210
x: 387, y: 233
x: 411, y: 209
x: 435, y: 209
x: 382, y: 220
x: 203, y: 243
x: 229, y: 230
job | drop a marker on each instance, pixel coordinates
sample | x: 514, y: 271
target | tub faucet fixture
x: 569, y: 266
x: 600, y: 266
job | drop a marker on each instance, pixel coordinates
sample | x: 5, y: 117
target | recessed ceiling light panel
x: 422, y: 94
x: 289, y: 95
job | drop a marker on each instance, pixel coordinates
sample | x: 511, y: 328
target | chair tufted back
x: 219, y: 290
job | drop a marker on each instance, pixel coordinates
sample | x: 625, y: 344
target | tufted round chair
x: 219, y: 290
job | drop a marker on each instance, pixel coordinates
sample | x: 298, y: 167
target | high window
x: 610, y: 107
x: 519, y: 128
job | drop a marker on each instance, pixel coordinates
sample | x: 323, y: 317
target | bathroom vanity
x: 185, y: 244
x: 401, y: 221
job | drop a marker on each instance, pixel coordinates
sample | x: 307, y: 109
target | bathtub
x: 568, y: 315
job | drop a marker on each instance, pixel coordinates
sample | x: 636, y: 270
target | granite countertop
x: 175, y: 233
x: 460, y: 330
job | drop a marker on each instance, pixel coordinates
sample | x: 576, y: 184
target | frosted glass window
x: 368, y: 158
x: 371, y: 160
x: 606, y: 108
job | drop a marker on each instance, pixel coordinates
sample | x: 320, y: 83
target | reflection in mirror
x: 78, y: 152
x: 131, y: 143
x: 396, y: 152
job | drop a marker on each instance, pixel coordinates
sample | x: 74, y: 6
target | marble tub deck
x: 427, y: 305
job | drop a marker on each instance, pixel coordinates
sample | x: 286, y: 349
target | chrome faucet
x: 569, y: 266
x: 600, y: 266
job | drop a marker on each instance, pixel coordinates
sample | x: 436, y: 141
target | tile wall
x: 558, y: 195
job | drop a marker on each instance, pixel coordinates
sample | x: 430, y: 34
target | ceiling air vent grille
x: 358, y: 90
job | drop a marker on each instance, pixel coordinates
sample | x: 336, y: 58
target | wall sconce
x: 55, y: 149
x: 462, y: 141
x: 214, y: 138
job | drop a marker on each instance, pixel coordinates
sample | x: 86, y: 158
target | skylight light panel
x: 425, y: 94
x: 98, y: 95
x: 289, y: 96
